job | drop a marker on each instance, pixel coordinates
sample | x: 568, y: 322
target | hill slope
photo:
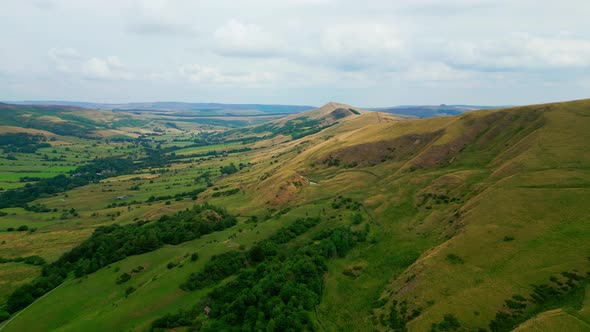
x: 476, y: 221
x: 426, y: 111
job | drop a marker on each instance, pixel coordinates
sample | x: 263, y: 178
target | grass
x: 157, y: 287
x: 215, y: 147
x: 454, y: 229
x: 13, y: 275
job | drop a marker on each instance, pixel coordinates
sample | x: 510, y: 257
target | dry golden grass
x: 12, y: 130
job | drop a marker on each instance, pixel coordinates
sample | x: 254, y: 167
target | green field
x: 463, y: 216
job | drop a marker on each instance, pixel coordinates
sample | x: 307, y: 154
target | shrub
x: 454, y: 259
x: 129, y: 290
x: 357, y: 218
x: 34, y: 260
x: 449, y: 323
x: 4, y: 315
x: 123, y: 278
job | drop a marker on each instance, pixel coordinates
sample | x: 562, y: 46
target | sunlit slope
x: 332, y: 111
x: 464, y: 212
x: 504, y: 191
x: 525, y: 222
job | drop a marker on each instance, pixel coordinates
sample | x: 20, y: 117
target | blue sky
x: 364, y: 53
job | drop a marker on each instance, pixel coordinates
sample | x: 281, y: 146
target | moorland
x: 331, y: 219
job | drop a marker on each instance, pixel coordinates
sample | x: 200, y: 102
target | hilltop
x: 173, y: 108
x: 344, y: 218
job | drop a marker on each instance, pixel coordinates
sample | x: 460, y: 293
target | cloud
x: 64, y: 59
x: 393, y: 49
x: 307, y: 2
x: 448, y: 7
x: 67, y: 61
x: 203, y: 74
x: 238, y: 39
x: 434, y: 72
x: 158, y: 18
x: 358, y: 46
x: 520, y: 52
x: 155, y: 27
x: 109, y: 68
x: 44, y: 4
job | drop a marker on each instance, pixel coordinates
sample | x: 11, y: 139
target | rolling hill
x: 173, y: 107
x: 345, y: 220
x: 429, y: 111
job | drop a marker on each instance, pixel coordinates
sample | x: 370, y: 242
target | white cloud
x: 109, y: 68
x: 310, y: 50
x: 159, y: 17
x: 150, y: 26
x: 203, y: 74
x: 63, y: 59
x: 67, y: 61
x: 360, y: 45
x: 520, y: 52
x: 43, y: 4
x: 239, y: 39
x: 434, y: 72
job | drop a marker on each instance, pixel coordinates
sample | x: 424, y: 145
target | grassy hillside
x: 426, y: 111
x: 475, y: 221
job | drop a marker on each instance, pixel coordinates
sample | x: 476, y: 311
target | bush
x: 454, y: 259
x: 357, y: 218
x: 4, y: 315
x: 230, y: 169
x: 22, y: 228
x: 34, y: 260
x: 123, y: 278
x: 449, y: 323
x: 129, y: 290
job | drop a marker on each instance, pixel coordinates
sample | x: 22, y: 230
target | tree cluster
x: 272, y: 291
x: 22, y: 142
x: 109, y: 244
x: 83, y: 175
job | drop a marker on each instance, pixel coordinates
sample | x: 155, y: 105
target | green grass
x: 526, y: 179
x: 215, y: 147
x: 99, y: 303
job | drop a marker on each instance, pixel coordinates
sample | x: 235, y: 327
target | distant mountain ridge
x: 173, y: 106
x: 429, y: 111
x: 418, y: 111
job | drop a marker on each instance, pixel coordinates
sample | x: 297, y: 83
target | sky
x: 308, y: 52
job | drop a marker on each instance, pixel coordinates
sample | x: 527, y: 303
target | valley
x: 331, y: 219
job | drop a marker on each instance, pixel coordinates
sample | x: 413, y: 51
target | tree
x: 230, y: 169
x: 21, y: 298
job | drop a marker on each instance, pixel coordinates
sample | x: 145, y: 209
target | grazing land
x: 333, y: 219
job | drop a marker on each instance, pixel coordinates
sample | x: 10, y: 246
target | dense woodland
x: 22, y: 143
x: 275, y: 289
